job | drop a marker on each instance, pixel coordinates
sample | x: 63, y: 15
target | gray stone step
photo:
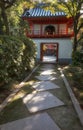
x: 36, y: 122
x: 40, y: 101
x: 44, y: 85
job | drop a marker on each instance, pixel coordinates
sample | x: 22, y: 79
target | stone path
x: 45, y: 77
x: 37, y: 122
x: 44, y: 85
x: 41, y: 101
x: 44, y: 99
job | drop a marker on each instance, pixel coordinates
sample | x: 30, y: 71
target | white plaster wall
x: 65, y: 47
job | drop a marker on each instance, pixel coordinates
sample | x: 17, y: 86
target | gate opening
x: 49, y: 52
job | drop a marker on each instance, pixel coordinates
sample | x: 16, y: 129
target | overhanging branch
x: 6, y: 3
x: 9, y: 4
x: 80, y: 39
x: 81, y: 26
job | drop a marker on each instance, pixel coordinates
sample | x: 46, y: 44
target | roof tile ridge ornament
x: 26, y: 12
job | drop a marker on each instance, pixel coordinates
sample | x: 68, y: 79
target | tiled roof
x: 39, y: 12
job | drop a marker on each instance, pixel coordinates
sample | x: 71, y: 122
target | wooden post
x: 58, y: 29
x: 66, y: 29
x: 41, y: 51
x: 41, y: 30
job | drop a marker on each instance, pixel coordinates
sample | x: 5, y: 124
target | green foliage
x: 10, y: 13
x: 77, y: 58
x: 29, y: 53
x: 72, y: 8
x: 1, y: 26
x: 10, y: 57
x: 77, y: 76
x: 16, y: 56
x: 78, y: 79
x: 75, y: 73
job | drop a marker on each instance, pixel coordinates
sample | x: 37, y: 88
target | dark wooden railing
x: 40, y: 34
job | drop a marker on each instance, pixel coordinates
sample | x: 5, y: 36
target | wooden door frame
x: 41, y: 50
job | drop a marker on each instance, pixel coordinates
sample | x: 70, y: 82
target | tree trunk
x: 5, y: 21
x: 75, y: 44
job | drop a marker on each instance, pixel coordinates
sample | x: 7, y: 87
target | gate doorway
x: 49, y: 52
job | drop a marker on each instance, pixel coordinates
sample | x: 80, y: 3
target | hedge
x: 77, y: 58
x: 16, y: 56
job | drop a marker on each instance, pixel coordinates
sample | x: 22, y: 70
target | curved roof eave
x: 39, y: 12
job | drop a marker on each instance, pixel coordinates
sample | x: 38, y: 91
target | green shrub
x: 11, y: 50
x: 16, y: 55
x: 77, y: 58
x: 77, y: 76
x: 29, y: 53
x: 78, y: 79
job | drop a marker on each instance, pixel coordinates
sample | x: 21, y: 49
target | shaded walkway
x: 49, y: 59
x: 49, y: 105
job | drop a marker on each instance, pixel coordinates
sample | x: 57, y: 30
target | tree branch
x: 9, y: 4
x: 6, y: 4
x: 66, y: 6
x: 81, y: 26
x: 80, y: 38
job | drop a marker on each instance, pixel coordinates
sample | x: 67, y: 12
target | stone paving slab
x: 44, y: 69
x: 47, y: 72
x: 49, y: 66
x: 45, y: 77
x: 36, y: 122
x: 41, y: 101
x: 44, y: 85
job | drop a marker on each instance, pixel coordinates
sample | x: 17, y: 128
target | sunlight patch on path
x: 44, y: 85
x: 41, y: 101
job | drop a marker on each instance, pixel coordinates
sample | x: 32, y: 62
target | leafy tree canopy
x: 6, y: 3
x: 10, y: 12
x: 72, y: 8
